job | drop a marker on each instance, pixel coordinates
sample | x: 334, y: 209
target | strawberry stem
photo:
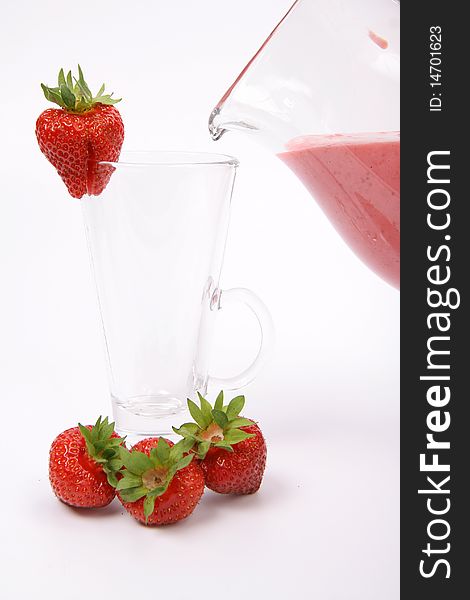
x: 76, y: 97
x: 103, y: 447
x: 218, y: 427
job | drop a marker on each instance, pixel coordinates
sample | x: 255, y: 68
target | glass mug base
x: 148, y: 416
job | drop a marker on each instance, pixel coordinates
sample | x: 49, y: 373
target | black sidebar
x: 435, y: 332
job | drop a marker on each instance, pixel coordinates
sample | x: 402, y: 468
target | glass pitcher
x: 322, y: 92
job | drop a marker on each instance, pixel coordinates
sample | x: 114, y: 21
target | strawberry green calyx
x: 103, y: 447
x: 148, y: 476
x: 74, y: 95
x: 218, y: 426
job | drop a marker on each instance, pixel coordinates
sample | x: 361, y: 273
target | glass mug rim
x: 171, y: 158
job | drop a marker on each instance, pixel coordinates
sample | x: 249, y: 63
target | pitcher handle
x: 220, y: 300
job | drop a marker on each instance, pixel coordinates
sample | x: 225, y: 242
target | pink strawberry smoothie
x: 355, y: 178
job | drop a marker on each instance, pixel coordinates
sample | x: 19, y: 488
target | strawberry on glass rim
x: 84, y: 131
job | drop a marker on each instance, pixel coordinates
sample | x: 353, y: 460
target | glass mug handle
x: 222, y: 298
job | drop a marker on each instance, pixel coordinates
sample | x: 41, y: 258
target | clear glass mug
x: 157, y: 236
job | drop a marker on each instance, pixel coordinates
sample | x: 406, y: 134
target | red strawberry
x: 160, y: 484
x: 240, y: 471
x: 231, y: 448
x: 83, y: 462
x: 86, y: 129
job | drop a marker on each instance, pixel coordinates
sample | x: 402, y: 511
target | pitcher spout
x: 219, y: 124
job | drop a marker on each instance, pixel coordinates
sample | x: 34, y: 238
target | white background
x: 325, y: 523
